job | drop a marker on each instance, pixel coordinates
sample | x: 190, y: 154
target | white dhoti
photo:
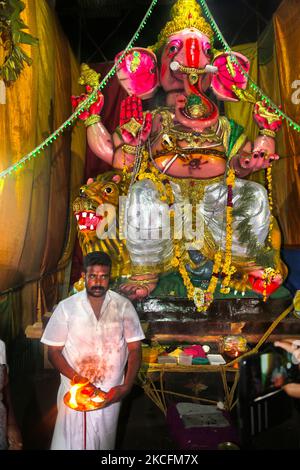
x: 71, y: 434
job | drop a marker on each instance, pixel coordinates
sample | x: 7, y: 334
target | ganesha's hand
x: 257, y: 160
x: 91, y: 115
x: 139, y: 286
x: 265, y: 281
x: 266, y: 118
x: 135, y: 126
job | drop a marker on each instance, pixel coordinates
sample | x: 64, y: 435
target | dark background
x: 99, y: 29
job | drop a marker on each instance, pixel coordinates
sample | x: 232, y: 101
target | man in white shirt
x: 93, y: 335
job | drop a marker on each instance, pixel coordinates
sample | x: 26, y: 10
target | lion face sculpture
x: 96, y: 210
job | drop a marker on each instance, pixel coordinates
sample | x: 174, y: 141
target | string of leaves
x: 11, y: 36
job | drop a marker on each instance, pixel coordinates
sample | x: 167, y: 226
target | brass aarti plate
x: 86, y: 399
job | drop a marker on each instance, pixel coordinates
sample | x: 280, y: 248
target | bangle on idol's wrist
x: 267, y: 132
x: 92, y: 119
x: 131, y: 149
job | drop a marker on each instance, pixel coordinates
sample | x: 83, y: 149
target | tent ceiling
x: 98, y: 29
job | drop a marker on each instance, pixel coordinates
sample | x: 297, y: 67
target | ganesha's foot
x: 140, y: 286
x: 265, y: 281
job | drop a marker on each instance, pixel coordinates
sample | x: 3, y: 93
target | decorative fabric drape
x: 37, y: 228
x: 278, y: 50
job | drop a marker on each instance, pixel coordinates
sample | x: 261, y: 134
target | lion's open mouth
x: 87, y: 220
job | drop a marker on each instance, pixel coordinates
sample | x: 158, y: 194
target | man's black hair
x: 96, y: 258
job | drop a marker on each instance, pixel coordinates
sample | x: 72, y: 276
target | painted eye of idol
x: 174, y: 47
x: 82, y: 191
x: 207, y: 49
x: 108, y: 190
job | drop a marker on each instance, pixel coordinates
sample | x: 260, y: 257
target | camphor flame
x: 73, y: 391
x: 84, y: 397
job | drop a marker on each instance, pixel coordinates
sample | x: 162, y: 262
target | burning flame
x: 84, y: 397
x: 73, y: 391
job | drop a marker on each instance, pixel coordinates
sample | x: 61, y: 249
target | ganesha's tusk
x: 176, y: 66
x: 170, y: 162
x: 211, y: 68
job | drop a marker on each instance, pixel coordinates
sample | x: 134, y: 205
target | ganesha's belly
x: 193, y: 165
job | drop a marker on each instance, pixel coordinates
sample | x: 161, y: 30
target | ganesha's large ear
x: 229, y: 74
x: 138, y: 72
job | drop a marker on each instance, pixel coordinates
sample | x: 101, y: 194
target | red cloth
x: 195, y: 350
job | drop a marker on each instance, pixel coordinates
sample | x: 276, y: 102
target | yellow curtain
x: 37, y: 227
x: 275, y: 68
x: 286, y: 26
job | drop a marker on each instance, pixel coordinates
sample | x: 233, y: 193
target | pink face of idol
x: 189, y: 48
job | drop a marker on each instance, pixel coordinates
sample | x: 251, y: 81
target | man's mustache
x: 97, y: 288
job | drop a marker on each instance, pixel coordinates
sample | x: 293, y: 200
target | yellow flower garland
x: 228, y: 269
x: 161, y: 182
x: 270, y: 197
x: 268, y: 276
x: 202, y: 298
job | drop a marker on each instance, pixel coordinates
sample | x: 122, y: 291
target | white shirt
x: 2, y: 352
x: 96, y: 349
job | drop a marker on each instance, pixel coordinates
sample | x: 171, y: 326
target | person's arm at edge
x: 291, y: 389
x: 13, y: 432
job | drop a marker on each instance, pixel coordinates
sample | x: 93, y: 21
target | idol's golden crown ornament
x: 184, y: 14
x: 88, y: 76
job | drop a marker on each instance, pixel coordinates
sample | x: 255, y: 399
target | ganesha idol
x: 183, y: 153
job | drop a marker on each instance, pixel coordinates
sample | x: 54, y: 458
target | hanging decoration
x: 11, y: 38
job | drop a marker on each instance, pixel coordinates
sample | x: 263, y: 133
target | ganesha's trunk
x: 197, y: 112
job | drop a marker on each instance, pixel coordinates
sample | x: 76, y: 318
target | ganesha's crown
x: 184, y: 14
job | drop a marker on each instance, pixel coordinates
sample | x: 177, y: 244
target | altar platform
x: 176, y: 320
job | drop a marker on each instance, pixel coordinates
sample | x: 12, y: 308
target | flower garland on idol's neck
x: 269, y: 273
x: 222, y: 260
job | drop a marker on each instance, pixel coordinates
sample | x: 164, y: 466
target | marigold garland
x: 270, y: 198
x: 161, y: 182
x: 202, y: 298
x: 228, y: 269
x: 268, y: 276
